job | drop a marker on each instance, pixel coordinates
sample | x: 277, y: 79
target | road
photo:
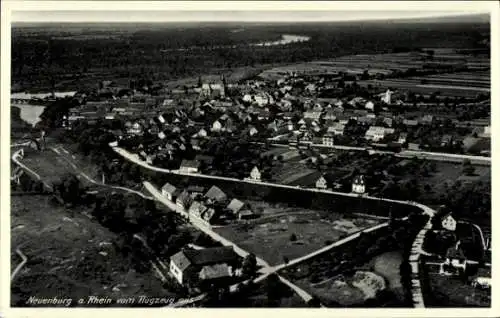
x: 135, y: 159
x: 414, y: 260
x: 416, y: 248
x: 24, y: 259
x: 83, y: 174
x: 439, y: 156
x: 265, y: 269
x: 15, y: 158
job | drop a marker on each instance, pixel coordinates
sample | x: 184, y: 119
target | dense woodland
x: 166, y: 51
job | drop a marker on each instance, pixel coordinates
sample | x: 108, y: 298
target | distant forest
x: 161, y: 52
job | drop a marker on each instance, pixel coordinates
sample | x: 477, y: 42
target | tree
x: 274, y: 289
x: 249, y: 267
x: 69, y: 189
x: 293, y: 237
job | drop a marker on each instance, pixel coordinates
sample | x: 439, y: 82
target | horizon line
x: 47, y: 19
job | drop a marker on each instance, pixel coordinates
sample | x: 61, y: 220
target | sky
x: 221, y: 16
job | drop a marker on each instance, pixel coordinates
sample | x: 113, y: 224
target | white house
x: 402, y: 138
x: 253, y: 131
x: 216, y: 126
x: 189, y: 166
x: 255, y: 174
x: 482, y: 282
x: 247, y: 98
x: 161, y: 135
x: 486, y: 132
x: 358, y: 184
x: 321, y: 183
x: 377, y: 133
x: 169, y: 191
x: 386, y: 97
x: 202, y: 133
x: 336, y: 129
x: 369, y: 105
x: 328, y: 139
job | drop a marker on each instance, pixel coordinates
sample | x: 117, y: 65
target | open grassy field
x: 270, y: 236
x: 51, y: 166
x: 69, y: 256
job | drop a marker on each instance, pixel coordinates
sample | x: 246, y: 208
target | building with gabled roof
x: 192, y: 266
x: 216, y: 194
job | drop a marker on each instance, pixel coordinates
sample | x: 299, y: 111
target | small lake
x: 30, y: 113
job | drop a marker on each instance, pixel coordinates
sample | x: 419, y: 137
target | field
x: 76, y: 258
x: 461, y: 84
x: 50, y: 166
x: 270, y: 236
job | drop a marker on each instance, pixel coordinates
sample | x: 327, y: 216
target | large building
x: 192, y: 267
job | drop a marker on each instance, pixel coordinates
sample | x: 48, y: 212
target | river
x: 285, y: 39
x: 30, y: 113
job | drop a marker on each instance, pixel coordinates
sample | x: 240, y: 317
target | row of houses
x: 210, y: 208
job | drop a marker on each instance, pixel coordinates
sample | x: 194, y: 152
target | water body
x: 285, y: 39
x: 30, y: 113
x: 24, y: 95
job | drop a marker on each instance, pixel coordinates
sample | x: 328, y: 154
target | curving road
x: 416, y: 247
x: 24, y: 260
x: 83, y: 174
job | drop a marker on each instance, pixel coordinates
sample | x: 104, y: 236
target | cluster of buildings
x: 210, y: 207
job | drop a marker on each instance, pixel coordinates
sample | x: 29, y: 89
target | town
x: 259, y: 191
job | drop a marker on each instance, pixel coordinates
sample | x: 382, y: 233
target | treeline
x: 145, y: 52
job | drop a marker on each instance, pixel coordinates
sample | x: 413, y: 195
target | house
x: 386, y: 97
x: 189, y: 166
x: 312, y: 115
x: 446, y: 140
x: 410, y: 122
x: 253, y: 131
x: 358, y: 184
x: 328, y: 139
x: 235, y: 206
x: 202, y: 133
x: 369, y: 105
x: 455, y: 262
x: 413, y: 146
x: 216, y: 194
x: 336, y: 129
x: 377, y: 133
x: 486, y: 133
x: 255, y: 174
x: 217, y: 126
x: 402, y: 138
x: 197, y: 209
x: 193, y: 189
x: 169, y: 191
x: 426, y: 119
x: 481, y: 282
x: 330, y: 115
x: 136, y: 129
x: 195, y: 267
x: 184, y: 201
x: 321, y: 183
